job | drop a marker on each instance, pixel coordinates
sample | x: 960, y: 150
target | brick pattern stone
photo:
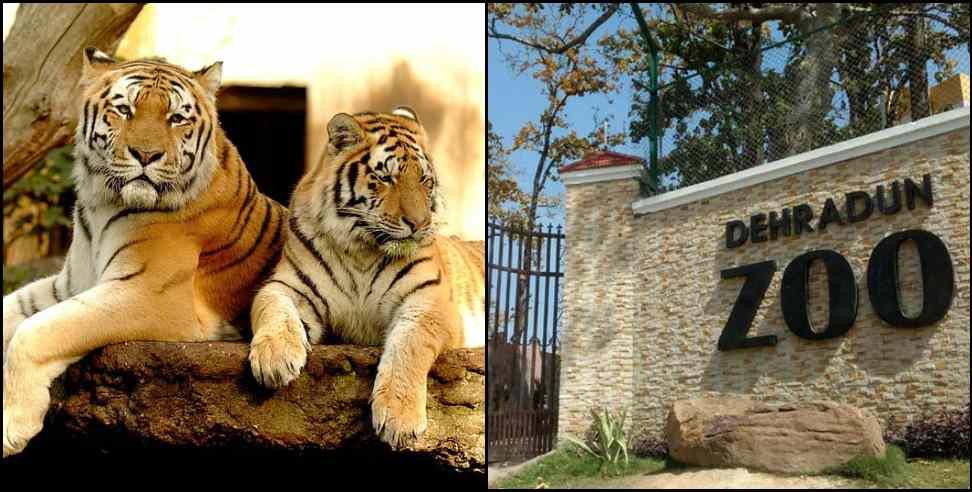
x: 645, y: 303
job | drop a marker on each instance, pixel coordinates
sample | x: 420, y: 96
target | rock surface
x: 794, y: 438
x: 201, y: 400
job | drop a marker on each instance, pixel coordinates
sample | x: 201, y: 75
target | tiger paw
x: 20, y: 425
x: 14, y: 441
x: 399, y: 419
x: 277, y: 358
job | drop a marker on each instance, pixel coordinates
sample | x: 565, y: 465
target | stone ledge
x: 200, y: 399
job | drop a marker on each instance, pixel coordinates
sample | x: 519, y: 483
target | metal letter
x: 937, y: 275
x: 843, y: 295
x: 758, y: 277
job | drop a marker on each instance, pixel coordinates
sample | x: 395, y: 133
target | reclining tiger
x: 171, y: 235
x: 363, y: 264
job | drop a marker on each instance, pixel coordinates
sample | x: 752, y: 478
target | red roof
x: 600, y: 159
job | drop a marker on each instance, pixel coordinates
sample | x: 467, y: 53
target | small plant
x: 14, y: 277
x: 646, y: 444
x: 38, y: 203
x: 888, y: 469
x: 608, y: 442
x: 942, y: 435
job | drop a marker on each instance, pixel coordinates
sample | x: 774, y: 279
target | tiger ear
x: 343, y: 131
x: 406, y: 112
x: 94, y: 62
x: 210, y: 78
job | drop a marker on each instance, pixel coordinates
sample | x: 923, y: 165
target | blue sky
x: 513, y: 100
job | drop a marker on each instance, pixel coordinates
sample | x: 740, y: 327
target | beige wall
x: 646, y: 304
x: 351, y: 58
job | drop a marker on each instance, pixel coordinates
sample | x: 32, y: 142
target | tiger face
x: 144, y: 136
x: 381, y: 181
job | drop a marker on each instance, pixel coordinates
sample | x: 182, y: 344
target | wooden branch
x: 41, y: 68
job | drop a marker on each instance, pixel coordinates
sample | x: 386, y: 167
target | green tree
x: 505, y: 200
x: 736, y: 113
x: 554, y: 44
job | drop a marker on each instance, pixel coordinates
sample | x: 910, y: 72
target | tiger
x: 363, y: 264
x: 171, y: 235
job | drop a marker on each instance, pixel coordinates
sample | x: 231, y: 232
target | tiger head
x: 380, y: 187
x: 145, y: 132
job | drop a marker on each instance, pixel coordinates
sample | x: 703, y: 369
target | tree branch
x: 681, y: 25
x: 41, y: 68
x: 923, y: 13
x: 786, y: 13
x: 545, y: 168
x: 565, y: 46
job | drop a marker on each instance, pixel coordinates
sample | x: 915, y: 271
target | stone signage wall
x: 646, y: 304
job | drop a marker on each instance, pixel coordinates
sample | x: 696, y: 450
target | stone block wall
x: 645, y: 302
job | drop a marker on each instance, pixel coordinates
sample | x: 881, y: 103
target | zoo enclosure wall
x: 647, y: 302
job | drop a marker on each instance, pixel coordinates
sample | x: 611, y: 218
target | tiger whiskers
x: 364, y: 214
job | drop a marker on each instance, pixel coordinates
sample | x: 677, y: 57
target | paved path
x: 737, y: 478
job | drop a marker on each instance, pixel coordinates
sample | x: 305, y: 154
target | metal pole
x: 653, y: 89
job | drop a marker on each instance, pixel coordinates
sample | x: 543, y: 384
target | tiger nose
x: 145, y: 157
x: 421, y: 223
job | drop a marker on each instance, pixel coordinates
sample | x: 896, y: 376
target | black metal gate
x: 523, y: 278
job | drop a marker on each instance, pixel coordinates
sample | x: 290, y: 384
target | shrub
x: 38, y: 203
x: 646, y: 444
x: 886, y: 469
x: 942, y: 435
x: 15, y: 277
x: 605, y: 439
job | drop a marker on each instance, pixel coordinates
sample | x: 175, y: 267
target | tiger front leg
x: 398, y: 401
x: 279, y: 348
x: 143, y: 305
x: 28, y: 301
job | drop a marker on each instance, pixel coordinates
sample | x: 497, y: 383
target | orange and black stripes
x: 147, y: 121
x: 374, y: 186
x: 309, y: 246
x: 272, y: 209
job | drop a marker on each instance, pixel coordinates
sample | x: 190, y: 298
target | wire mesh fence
x: 736, y: 97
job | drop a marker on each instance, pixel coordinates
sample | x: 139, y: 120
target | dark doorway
x: 268, y: 126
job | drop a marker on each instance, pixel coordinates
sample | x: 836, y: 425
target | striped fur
x: 374, y: 188
x: 171, y: 235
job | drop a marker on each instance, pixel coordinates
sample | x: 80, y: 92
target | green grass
x: 568, y: 468
x: 937, y: 474
x: 895, y: 471
x: 887, y: 470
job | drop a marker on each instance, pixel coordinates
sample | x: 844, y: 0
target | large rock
x: 199, y: 400
x: 795, y: 438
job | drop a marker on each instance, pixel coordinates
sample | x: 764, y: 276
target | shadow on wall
x: 456, y: 129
